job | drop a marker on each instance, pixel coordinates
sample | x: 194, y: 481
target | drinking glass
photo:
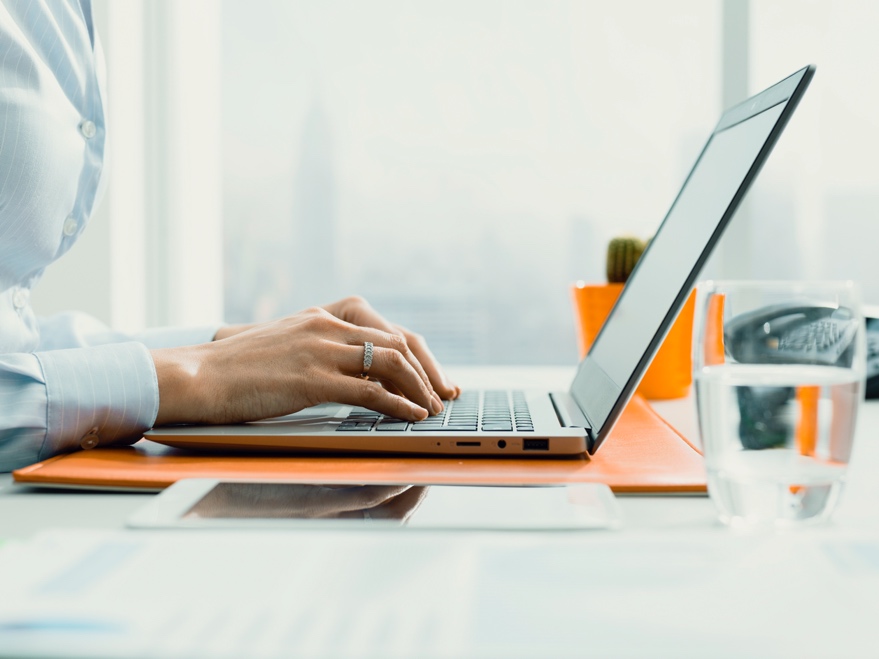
x: 779, y: 369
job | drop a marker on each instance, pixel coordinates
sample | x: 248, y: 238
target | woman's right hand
x: 287, y: 365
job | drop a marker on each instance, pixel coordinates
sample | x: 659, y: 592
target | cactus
x: 622, y: 255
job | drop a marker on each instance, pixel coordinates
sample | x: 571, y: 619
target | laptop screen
x: 667, y: 270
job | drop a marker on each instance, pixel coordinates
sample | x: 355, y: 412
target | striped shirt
x: 66, y: 382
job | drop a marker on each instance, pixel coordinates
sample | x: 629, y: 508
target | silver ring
x: 367, y: 358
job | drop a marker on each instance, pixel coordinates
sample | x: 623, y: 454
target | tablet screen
x: 200, y: 503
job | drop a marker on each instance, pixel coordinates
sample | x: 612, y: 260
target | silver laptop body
x: 539, y: 423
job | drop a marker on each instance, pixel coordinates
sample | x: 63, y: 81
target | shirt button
x: 19, y: 299
x: 70, y: 226
x: 88, y: 129
x: 90, y: 440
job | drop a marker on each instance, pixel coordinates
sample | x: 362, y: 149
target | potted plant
x: 670, y: 373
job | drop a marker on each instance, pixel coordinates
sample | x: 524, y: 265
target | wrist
x: 179, y: 372
x: 230, y: 330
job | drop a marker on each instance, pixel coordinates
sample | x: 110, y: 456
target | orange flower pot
x: 670, y: 374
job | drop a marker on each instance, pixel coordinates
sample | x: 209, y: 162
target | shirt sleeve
x: 85, y: 386
x: 74, y: 329
x: 62, y: 400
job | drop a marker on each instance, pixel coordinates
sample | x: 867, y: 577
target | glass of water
x: 779, y: 369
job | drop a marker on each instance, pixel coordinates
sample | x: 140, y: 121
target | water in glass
x: 777, y: 439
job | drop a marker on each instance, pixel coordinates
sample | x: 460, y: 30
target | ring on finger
x: 367, y: 358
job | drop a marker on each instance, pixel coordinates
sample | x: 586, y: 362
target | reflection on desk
x: 295, y: 501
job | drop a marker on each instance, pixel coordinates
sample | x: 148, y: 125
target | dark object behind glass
x: 872, y: 357
x: 789, y: 334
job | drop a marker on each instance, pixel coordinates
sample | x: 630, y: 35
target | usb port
x: 468, y: 443
x: 535, y: 445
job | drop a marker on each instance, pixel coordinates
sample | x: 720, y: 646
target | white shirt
x: 66, y: 382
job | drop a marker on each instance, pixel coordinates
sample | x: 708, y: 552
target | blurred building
x: 851, y: 253
x: 313, y: 258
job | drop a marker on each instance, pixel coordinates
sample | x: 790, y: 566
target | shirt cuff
x: 22, y: 410
x: 98, y: 396
x: 173, y: 337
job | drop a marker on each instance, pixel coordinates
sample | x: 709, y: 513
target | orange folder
x: 644, y: 454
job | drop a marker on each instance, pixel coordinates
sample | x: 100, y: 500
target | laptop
x: 577, y: 421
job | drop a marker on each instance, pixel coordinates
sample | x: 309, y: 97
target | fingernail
x: 420, y: 413
x: 437, y: 404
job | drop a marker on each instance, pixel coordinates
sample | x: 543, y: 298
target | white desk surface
x: 671, y: 582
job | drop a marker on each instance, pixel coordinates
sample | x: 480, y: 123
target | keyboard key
x: 392, y: 427
x: 417, y: 428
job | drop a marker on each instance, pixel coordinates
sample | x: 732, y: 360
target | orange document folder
x: 644, y: 454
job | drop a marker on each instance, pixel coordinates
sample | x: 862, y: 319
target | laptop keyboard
x: 493, y: 411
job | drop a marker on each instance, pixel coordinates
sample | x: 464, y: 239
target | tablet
x: 224, y: 504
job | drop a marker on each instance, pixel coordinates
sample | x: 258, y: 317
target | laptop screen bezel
x: 599, y: 397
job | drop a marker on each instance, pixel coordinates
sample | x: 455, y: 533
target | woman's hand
x: 309, y: 358
x: 357, y: 311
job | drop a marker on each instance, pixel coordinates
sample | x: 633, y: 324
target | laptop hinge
x: 569, y: 413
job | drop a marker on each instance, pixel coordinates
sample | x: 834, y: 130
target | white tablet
x: 214, y: 504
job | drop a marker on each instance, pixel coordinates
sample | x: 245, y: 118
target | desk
x: 672, y: 582
x: 26, y: 510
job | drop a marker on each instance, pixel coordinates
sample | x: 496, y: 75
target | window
x: 459, y: 164
x: 815, y: 205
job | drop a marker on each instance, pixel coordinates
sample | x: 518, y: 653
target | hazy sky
x: 550, y: 109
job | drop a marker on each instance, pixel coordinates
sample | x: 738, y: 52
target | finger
x: 438, y: 379
x: 358, y: 313
x: 390, y: 386
x: 396, y: 341
x: 388, y: 353
x: 390, y: 365
x: 369, y: 394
